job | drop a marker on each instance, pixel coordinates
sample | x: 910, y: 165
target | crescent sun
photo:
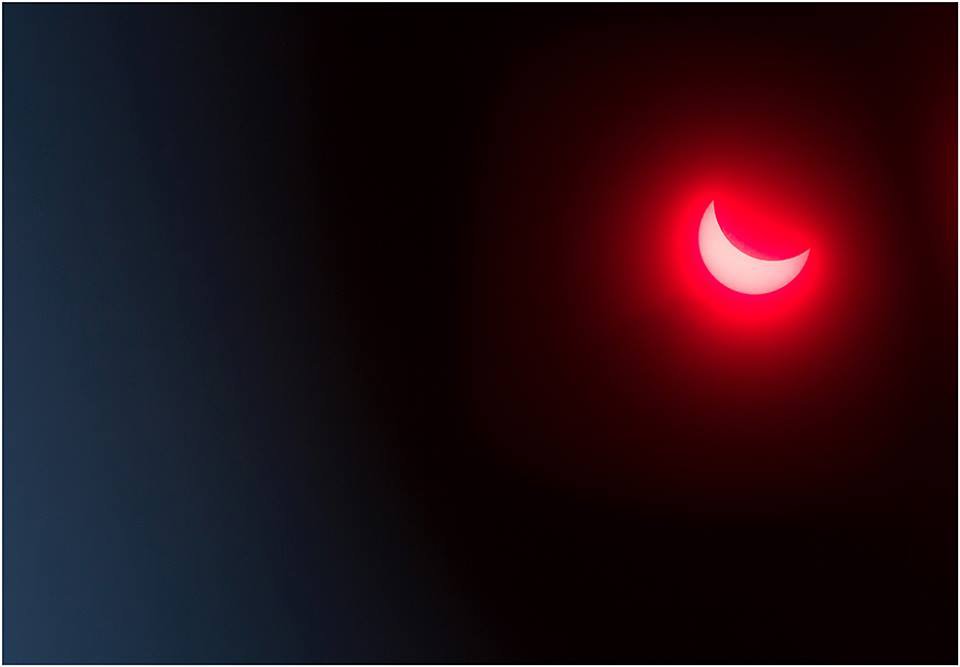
x: 736, y: 269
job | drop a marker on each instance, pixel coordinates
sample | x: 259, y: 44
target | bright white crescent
x: 738, y: 270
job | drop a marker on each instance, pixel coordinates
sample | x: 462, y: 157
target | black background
x: 254, y: 261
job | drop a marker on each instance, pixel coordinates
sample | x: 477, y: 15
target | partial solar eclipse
x: 738, y: 270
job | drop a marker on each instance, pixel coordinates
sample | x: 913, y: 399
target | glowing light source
x: 738, y: 270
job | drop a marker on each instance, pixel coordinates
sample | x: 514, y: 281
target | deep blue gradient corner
x: 184, y: 457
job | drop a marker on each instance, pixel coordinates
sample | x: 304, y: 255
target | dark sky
x: 367, y: 334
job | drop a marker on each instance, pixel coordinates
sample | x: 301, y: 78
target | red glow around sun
x: 604, y: 343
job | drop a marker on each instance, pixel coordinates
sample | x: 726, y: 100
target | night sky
x: 377, y: 333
